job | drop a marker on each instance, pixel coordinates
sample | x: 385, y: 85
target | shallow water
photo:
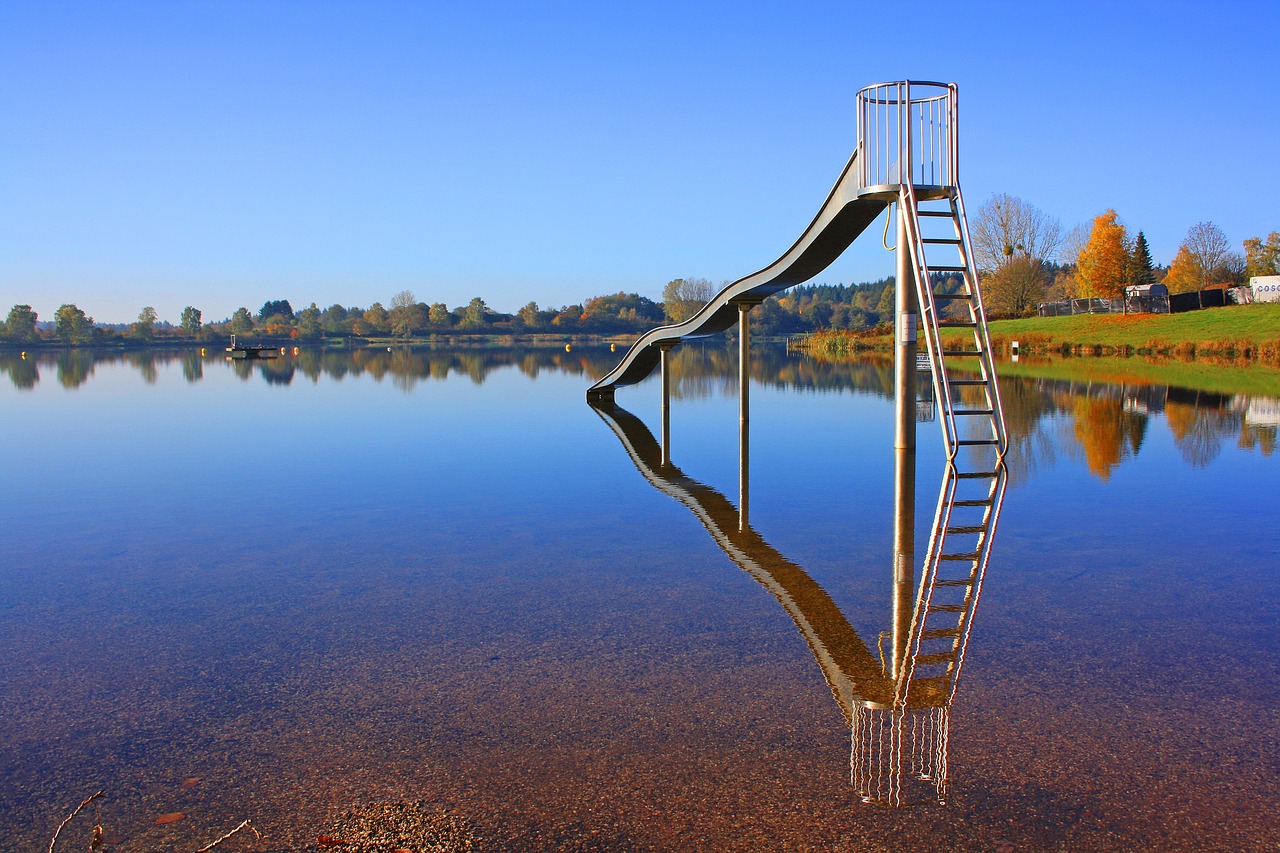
x: 439, y: 576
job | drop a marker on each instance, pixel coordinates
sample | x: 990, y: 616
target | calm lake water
x: 440, y: 576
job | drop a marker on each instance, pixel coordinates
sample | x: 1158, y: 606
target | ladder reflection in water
x: 898, y: 713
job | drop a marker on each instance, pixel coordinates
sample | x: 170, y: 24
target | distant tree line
x: 1108, y: 426
x: 800, y: 309
x: 1023, y: 258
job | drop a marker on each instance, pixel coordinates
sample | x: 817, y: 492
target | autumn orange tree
x: 1103, y: 266
x: 1185, y: 275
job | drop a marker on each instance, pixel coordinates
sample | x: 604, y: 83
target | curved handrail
x: 843, y: 216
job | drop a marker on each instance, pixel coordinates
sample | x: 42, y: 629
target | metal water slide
x: 907, y: 155
x: 843, y: 216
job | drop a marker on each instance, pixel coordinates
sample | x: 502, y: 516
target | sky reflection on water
x: 435, y: 575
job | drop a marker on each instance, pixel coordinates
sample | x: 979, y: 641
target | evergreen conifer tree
x: 1141, y: 270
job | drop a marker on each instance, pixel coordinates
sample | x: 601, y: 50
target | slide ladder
x: 955, y: 564
x: 964, y: 374
x: 973, y: 431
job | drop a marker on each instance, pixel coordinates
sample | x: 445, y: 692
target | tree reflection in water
x: 1108, y: 423
x: 192, y: 367
x: 1100, y: 423
x: 22, y: 372
x: 74, y: 368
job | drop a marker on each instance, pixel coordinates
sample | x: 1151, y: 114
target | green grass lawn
x: 1236, y: 327
x: 1250, y: 332
x: 1232, y: 350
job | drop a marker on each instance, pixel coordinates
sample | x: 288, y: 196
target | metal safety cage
x: 899, y: 757
x: 907, y: 134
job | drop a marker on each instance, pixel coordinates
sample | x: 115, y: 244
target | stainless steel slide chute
x: 843, y: 216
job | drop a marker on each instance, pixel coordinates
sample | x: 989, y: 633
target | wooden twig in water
x: 243, y: 825
x: 70, y: 817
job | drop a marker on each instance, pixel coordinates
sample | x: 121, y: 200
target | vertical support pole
x: 904, y: 554
x: 906, y: 314
x: 904, y: 442
x: 744, y: 474
x: 744, y: 360
x: 744, y: 413
x: 665, y: 349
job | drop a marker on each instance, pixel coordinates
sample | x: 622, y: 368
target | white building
x: 1266, y: 288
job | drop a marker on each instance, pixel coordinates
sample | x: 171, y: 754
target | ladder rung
x: 967, y: 381
x: 947, y: 268
x: 973, y: 412
x: 977, y: 442
x: 957, y: 324
x: 945, y: 213
x: 968, y: 528
x: 940, y: 633
x: 959, y: 557
x: 962, y: 352
x: 978, y: 475
x: 968, y: 582
x: 986, y: 502
x: 938, y: 296
x: 938, y: 683
x: 946, y: 241
x: 946, y: 608
x: 937, y: 657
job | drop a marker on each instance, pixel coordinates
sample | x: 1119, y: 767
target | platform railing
x: 907, y: 134
x: 898, y: 756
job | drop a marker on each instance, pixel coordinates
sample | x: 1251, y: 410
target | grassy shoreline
x: 1247, y: 378
x: 1248, y: 333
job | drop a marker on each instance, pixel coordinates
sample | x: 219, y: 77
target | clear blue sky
x: 220, y: 153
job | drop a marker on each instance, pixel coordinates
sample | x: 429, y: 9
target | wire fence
x: 1147, y: 303
x: 1099, y: 305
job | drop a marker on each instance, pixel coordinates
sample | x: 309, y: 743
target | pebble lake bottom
x: 278, y: 591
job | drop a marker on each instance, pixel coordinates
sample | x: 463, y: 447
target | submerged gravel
x: 397, y: 828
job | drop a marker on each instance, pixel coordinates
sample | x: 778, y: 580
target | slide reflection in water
x: 898, y: 710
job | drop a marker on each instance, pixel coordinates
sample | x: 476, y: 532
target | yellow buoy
x: 613, y: 347
x: 202, y: 350
x: 295, y: 350
x: 24, y: 354
x: 282, y: 350
x: 388, y: 349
